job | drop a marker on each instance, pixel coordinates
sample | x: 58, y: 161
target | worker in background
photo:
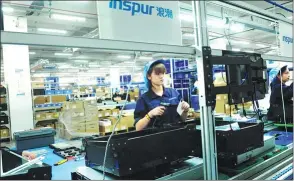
x: 158, y: 106
x: 280, y: 90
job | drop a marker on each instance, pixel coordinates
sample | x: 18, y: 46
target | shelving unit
x: 5, y: 116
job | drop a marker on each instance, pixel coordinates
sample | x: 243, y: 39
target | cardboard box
x: 58, y: 98
x: 75, y: 120
x: 90, y: 103
x: 92, y: 127
x: 107, y: 113
x: 108, y: 129
x: 132, y: 96
x: 100, y: 114
x: 56, y: 115
x: 40, y: 100
x: 49, y: 115
x: 40, y: 116
x: 127, y: 121
x: 111, y: 119
x: 3, y: 100
x: 4, y: 132
x: 105, y: 126
x: 78, y: 114
x: 115, y: 112
x: 92, y: 118
x: 77, y: 105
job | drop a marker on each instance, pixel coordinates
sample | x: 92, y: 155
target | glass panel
x: 66, y: 18
x: 231, y: 29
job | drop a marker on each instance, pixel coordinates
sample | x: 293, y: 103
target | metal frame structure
x: 207, y: 118
x: 208, y: 134
x: 30, y: 39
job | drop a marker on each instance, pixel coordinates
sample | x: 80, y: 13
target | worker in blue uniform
x: 158, y: 106
x: 279, y: 92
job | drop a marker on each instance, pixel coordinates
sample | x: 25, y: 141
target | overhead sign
x: 286, y: 39
x: 140, y: 21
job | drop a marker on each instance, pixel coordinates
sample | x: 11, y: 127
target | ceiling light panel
x: 68, y: 18
x: 52, y: 30
x: 63, y: 54
x: 7, y: 9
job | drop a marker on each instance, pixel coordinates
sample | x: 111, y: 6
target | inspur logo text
x: 139, y: 8
x: 287, y: 39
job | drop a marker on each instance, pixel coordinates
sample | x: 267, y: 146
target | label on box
x: 99, y: 115
x: 123, y: 127
x: 74, y: 106
x: 107, y: 114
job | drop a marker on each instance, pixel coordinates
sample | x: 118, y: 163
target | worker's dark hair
x: 158, y: 68
x: 282, y: 70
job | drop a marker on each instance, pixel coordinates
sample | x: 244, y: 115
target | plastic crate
x: 49, y: 92
x: 34, y: 138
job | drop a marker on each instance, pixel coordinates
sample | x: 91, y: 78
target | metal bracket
x: 230, y: 58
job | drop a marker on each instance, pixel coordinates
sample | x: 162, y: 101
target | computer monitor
x: 241, y: 74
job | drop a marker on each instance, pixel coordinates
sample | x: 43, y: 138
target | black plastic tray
x: 136, y: 151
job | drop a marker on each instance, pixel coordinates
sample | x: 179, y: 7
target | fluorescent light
x: 186, y: 17
x: 145, y: 58
x: 68, y: 18
x: 124, y: 56
x: 63, y: 54
x: 237, y: 27
x: 188, y: 35
x: 249, y: 51
x: 94, y: 66
x: 128, y: 62
x: 260, y: 45
x: 244, y: 42
x: 52, y: 30
x: 217, y: 23
x: 32, y: 53
x: 7, y: 9
x: 81, y: 61
x: 236, y: 49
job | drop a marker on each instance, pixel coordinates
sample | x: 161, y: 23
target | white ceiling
x: 43, y: 18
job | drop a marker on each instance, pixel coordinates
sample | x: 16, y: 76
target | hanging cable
x: 282, y: 94
x: 119, y: 117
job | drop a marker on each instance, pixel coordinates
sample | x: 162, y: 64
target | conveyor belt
x: 266, y: 168
x: 285, y: 174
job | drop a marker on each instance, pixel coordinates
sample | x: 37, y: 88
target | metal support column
x: 206, y: 114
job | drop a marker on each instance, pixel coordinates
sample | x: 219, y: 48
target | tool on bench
x: 60, y: 162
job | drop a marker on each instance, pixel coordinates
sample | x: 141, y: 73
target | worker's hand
x: 28, y: 155
x: 185, y: 106
x: 158, y: 111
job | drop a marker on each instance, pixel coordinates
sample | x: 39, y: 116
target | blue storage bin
x: 39, y: 105
x: 58, y: 91
x: 67, y: 91
x: 34, y: 138
x: 195, y: 102
x: 177, y: 85
x: 49, y: 92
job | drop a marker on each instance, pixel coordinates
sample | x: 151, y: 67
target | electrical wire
x: 282, y: 94
x: 119, y: 117
x: 222, y: 74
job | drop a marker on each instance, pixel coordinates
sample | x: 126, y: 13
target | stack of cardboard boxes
x: 85, y: 117
x: 49, y: 99
x: 222, y: 105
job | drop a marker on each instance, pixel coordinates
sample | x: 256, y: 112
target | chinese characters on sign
x: 162, y: 12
